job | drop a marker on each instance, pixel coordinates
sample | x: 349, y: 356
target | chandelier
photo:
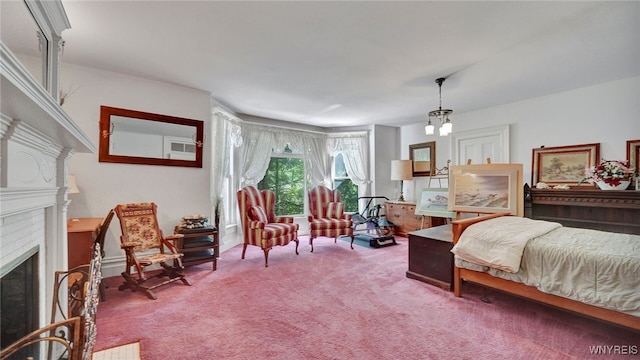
x: 441, y: 115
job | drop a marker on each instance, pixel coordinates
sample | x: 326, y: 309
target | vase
x: 622, y: 186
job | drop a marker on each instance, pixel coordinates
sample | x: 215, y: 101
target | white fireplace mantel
x: 37, y: 138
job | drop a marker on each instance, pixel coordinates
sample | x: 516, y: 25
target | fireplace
x: 19, y: 293
x: 37, y: 138
x: 24, y: 301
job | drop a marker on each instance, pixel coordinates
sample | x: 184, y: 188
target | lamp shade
x: 448, y: 126
x: 429, y: 129
x: 401, y: 170
x: 71, y: 183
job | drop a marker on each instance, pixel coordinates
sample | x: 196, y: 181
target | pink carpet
x: 338, y: 303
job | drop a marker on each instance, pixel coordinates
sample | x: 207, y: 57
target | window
x: 179, y: 148
x: 348, y: 190
x: 285, y: 177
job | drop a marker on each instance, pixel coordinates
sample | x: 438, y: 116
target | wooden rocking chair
x: 144, y: 245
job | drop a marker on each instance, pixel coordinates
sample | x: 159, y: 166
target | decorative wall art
x: 424, y: 158
x: 487, y: 188
x: 136, y: 137
x: 434, y: 202
x: 563, y: 165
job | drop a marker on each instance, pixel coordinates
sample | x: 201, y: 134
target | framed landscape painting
x: 563, y: 165
x: 434, y: 202
x: 487, y: 188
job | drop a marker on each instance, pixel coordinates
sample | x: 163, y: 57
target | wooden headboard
x: 607, y: 210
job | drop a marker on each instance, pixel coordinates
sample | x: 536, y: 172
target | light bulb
x: 429, y: 129
x: 447, y: 126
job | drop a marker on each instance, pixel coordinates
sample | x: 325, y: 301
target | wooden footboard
x: 529, y: 292
x: 457, y: 227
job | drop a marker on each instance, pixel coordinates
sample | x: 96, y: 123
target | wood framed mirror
x: 423, y: 156
x: 136, y: 137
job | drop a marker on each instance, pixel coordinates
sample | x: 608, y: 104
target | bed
x: 567, y: 215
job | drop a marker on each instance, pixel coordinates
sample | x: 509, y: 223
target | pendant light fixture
x: 441, y: 115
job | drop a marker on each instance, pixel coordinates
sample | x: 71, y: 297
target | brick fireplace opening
x: 19, y: 307
x: 27, y: 253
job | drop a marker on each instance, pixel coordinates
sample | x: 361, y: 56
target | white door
x: 480, y: 145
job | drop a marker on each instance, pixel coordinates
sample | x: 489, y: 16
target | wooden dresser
x: 402, y: 215
x: 81, y: 234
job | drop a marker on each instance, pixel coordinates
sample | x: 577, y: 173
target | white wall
x: 178, y: 191
x: 384, y: 144
x: 607, y: 113
x: 137, y: 144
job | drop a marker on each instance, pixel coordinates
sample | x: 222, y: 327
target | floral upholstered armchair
x: 260, y: 226
x: 144, y: 245
x: 327, y: 215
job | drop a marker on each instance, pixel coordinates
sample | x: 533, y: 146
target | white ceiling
x: 351, y: 63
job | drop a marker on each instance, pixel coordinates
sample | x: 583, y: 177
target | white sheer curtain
x: 225, y: 136
x: 318, y: 161
x: 355, y: 155
x: 254, y: 154
x: 260, y: 141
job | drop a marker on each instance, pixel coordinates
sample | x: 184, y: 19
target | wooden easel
x: 488, y: 161
x: 440, y: 174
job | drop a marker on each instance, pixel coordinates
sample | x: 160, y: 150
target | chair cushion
x: 323, y: 224
x: 273, y: 230
x: 257, y: 214
x: 334, y: 210
x: 157, y: 258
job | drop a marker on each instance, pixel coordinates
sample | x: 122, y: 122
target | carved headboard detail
x: 607, y: 210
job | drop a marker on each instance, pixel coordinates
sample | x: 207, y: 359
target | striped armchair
x: 327, y: 215
x: 260, y: 226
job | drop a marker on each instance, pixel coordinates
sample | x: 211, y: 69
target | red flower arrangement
x: 611, y: 172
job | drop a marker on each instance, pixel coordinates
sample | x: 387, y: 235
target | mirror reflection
x: 129, y: 136
x: 147, y: 138
x: 22, y: 35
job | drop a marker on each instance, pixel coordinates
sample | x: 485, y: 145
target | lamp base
x: 401, y: 198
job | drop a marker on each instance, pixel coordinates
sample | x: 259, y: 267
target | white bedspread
x: 499, y: 243
x: 595, y: 267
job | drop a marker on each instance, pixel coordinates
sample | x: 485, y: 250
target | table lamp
x: 401, y: 170
x: 71, y: 184
x: 73, y: 188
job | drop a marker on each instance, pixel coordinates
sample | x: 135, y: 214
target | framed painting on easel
x: 487, y: 188
x: 434, y: 202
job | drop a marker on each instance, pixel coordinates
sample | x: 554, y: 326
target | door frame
x: 502, y: 131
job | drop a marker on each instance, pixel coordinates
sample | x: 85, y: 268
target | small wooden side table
x: 81, y: 234
x: 430, y: 257
x: 199, y: 245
